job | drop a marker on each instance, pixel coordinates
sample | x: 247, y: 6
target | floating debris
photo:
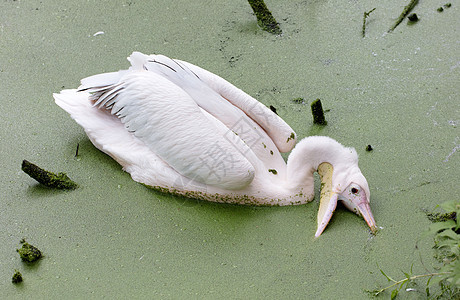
x: 49, y: 179
x: 413, y: 17
x: 366, y: 14
x: 318, y: 113
x: 441, y: 8
x: 265, y: 18
x: 17, y: 277
x: 369, y: 148
x: 291, y: 137
x: 273, y: 109
x: 273, y: 171
x: 407, y: 9
x: 298, y: 100
x: 29, y: 253
x: 98, y: 33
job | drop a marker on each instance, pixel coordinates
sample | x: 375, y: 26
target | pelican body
x: 178, y: 128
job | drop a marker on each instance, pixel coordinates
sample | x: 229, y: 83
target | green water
x: 115, y: 238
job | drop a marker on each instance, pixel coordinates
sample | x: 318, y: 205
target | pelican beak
x: 365, y: 211
x: 328, y: 198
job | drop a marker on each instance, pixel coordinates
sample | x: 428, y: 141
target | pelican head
x: 345, y: 183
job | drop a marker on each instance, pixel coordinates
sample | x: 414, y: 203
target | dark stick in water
x: 49, y: 179
x: 318, y: 113
x: 265, y: 18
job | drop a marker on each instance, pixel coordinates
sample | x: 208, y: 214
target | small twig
x: 49, y: 179
x: 265, y: 18
x: 366, y: 14
x: 407, y: 9
x: 78, y: 147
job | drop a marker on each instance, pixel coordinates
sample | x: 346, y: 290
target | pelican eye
x: 354, y: 190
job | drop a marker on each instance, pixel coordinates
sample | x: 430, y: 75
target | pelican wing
x: 170, y: 123
x: 279, y: 131
x: 238, y: 104
x: 108, y: 134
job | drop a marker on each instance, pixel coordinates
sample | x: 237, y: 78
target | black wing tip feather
x: 183, y: 67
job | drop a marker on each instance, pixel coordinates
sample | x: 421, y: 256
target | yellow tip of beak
x: 365, y: 211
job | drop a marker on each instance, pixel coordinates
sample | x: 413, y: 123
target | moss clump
x: 49, y: 179
x: 318, y: 113
x: 17, y: 277
x: 29, y: 253
x: 291, y: 137
x: 441, y: 217
x: 265, y: 18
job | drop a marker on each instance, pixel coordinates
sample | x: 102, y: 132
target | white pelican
x: 180, y: 129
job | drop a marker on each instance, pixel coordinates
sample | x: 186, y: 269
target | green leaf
x: 446, y: 244
x: 404, y: 283
x: 407, y: 275
x: 449, y: 233
x: 387, y: 277
x: 394, y: 293
x: 439, y: 226
x: 427, y: 289
x: 436, y: 280
x: 456, y: 274
x: 451, y: 206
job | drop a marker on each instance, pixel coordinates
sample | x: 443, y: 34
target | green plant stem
x: 406, y: 279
